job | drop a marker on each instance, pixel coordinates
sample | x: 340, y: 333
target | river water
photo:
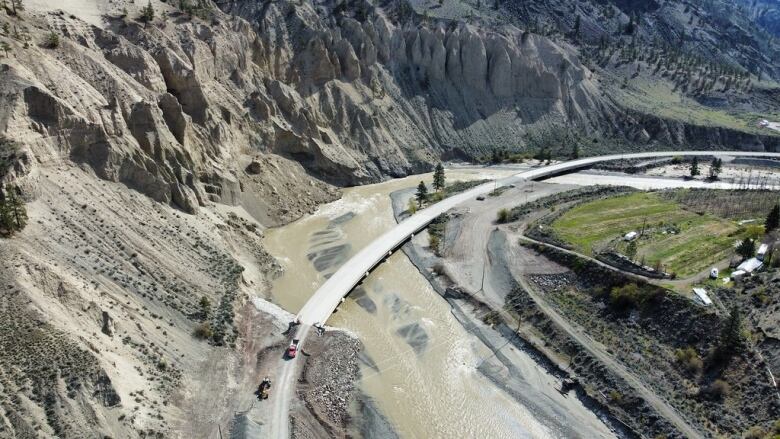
x: 420, y: 366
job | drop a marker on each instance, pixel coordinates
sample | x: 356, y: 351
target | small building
x: 630, y: 236
x: 738, y: 274
x: 750, y: 265
x: 761, y: 253
x: 700, y: 295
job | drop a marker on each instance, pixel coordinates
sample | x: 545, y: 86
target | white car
x: 714, y: 273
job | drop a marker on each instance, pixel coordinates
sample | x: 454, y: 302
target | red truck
x: 292, y: 350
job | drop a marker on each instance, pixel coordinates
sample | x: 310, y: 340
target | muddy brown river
x: 421, y: 364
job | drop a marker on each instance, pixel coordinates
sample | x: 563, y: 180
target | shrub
x: 203, y: 331
x: 411, y: 206
x: 689, y: 359
x: 53, y: 40
x: 503, y: 216
x: 719, y: 389
x: 615, y: 396
x: 755, y: 432
x: 434, y: 242
x: 632, y: 295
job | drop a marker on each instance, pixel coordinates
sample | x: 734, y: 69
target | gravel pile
x: 329, y: 377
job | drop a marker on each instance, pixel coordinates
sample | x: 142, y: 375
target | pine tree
x: 205, y: 308
x: 438, y: 178
x: 16, y: 6
x: 16, y: 206
x: 13, y: 215
x: 731, y: 341
x: 576, y: 31
x: 147, y: 13
x: 773, y: 219
x: 575, y: 153
x: 715, y: 168
x: 6, y: 219
x: 422, y: 194
x: 695, y: 167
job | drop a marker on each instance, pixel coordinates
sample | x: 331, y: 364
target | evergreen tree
x: 147, y: 13
x: 422, y: 194
x: 16, y: 206
x: 438, y: 178
x: 731, y: 341
x: 715, y: 168
x: 746, y: 248
x: 205, y: 308
x: 631, y: 250
x: 6, y: 219
x: 13, y: 215
x: 576, y: 31
x: 16, y: 6
x: 773, y: 219
x: 575, y: 153
x: 695, y: 167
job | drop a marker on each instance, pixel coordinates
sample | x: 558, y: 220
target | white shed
x: 700, y: 295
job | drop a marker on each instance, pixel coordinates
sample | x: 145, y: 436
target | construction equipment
x: 264, y: 388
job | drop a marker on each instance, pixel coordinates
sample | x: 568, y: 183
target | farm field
x: 675, y: 239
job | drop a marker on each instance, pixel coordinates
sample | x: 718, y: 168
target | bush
x: 689, y: 359
x: 631, y: 296
x: 203, y: 331
x: 503, y: 216
x: 755, y: 432
x: 434, y: 242
x: 719, y: 389
x: 53, y: 40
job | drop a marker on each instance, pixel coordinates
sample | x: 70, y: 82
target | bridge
x: 328, y: 296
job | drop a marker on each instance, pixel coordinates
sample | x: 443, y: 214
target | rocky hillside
x: 153, y: 151
x: 765, y: 13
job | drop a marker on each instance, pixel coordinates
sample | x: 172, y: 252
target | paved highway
x: 325, y: 300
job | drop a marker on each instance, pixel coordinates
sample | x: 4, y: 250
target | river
x: 421, y: 363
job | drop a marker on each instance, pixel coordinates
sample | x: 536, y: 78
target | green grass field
x: 683, y: 242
